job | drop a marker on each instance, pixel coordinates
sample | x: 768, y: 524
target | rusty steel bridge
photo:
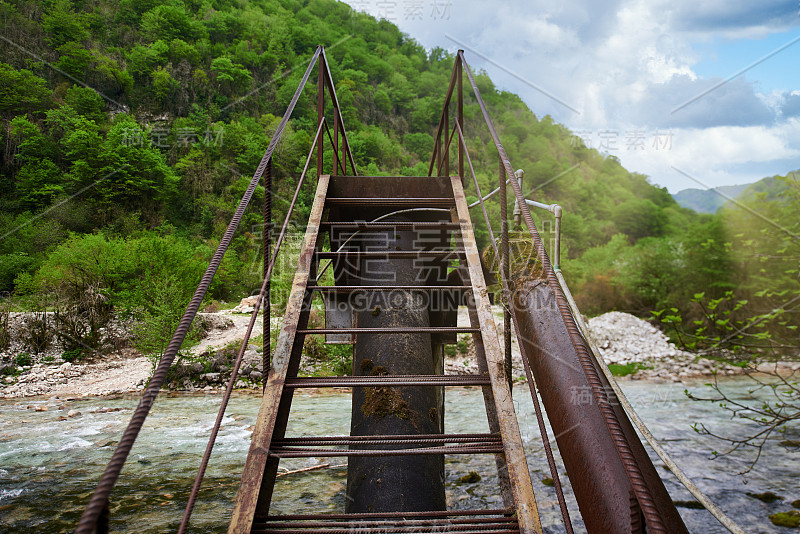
x: 406, y: 247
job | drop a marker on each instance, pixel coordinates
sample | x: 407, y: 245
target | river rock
x: 210, y: 377
x: 623, y: 338
x: 254, y: 360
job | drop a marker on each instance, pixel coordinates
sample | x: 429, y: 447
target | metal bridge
x: 406, y: 246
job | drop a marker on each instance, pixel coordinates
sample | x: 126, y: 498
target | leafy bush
x: 23, y: 359
x: 73, y: 355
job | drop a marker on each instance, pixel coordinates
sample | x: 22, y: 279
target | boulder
x: 210, y: 377
x: 254, y: 360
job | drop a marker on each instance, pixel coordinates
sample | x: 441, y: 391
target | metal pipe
x: 488, y: 196
x: 504, y: 268
x: 557, y: 245
x: 520, y: 174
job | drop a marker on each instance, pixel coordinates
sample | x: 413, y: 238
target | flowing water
x: 48, y: 467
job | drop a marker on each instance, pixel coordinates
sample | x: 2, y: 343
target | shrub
x: 38, y: 334
x: 23, y: 359
x: 73, y: 355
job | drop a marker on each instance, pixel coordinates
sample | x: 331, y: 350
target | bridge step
x: 383, y: 202
x: 450, y: 254
x: 375, y: 445
x: 500, y: 521
x: 362, y: 289
x: 394, y: 330
x: 398, y: 225
x: 387, y: 380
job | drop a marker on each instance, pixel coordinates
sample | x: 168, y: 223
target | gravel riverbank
x: 621, y: 338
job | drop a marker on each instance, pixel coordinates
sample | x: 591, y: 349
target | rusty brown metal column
x: 320, y: 112
x: 505, y: 272
x: 598, y: 478
x: 460, y: 115
x: 344, y: 153
x: 266, y: 245
x: 335, y: 142
x: 446, y: 131
x: 439, y: 152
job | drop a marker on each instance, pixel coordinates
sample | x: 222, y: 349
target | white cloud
x: 627, y: 65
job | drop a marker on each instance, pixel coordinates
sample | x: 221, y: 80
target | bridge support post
x: 395, y: 483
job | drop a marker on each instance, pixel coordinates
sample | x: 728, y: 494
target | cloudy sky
x: 693, y: 93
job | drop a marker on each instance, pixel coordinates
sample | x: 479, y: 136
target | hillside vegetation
x: 130, y: 129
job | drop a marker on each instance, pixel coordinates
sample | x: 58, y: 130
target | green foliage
x: 86, y: 102
x: 21, y: 91
x: 23, y: 359
x: 72, y: 355
x: 207, y: 84
x: 727, y: 324
x: 626, y: 369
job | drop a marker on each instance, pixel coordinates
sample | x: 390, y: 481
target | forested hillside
x: 130, y: 129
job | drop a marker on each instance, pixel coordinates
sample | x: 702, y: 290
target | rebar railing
x: 96, y: 516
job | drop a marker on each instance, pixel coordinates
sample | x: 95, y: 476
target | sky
x: 693, y: 94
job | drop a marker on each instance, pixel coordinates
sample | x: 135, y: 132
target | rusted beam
x: 598, y: 477
x: 518, y: 473
x: 266, y: 244
x: 460, y: 112
x: 247, y: 497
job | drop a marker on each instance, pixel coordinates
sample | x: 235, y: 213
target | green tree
x: 21, y: 92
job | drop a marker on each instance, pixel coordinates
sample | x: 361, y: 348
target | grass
x: 618, y: 369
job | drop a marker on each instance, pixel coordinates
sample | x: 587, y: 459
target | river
x: 48, y: 467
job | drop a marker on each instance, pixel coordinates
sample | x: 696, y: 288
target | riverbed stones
x: 253, y: 359
x: 210, y: 378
